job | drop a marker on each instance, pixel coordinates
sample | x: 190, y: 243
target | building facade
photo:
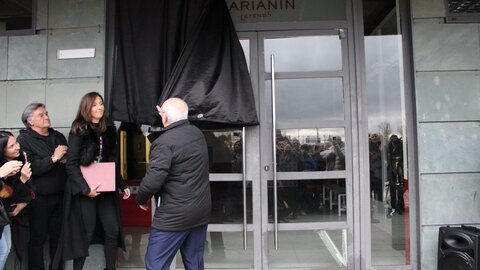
x: 368, y: 139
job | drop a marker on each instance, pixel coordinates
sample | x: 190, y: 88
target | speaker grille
x: 458, y: 248
x: 455, y: 260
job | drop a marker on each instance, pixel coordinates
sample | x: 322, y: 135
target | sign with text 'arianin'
x: 251, y: 11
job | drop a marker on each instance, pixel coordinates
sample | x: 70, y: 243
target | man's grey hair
x: 27, y: 113
x: 176, y: 109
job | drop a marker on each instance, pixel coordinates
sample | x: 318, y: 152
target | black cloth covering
x: 178, y: 48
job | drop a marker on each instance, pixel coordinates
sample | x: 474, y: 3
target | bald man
x: 178, y: 173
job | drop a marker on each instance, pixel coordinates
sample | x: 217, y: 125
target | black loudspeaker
x: 458, y: 248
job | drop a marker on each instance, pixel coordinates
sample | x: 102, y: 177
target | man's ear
x: 164, y: 120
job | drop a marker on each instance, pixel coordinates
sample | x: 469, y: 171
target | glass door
x: 306, y: 165
x: 282, y: 191
x: 234, y: 231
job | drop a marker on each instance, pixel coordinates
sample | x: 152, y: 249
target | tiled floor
x: 388, y: 237
x: 224, y: 250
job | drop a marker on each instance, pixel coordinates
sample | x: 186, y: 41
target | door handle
x: 244, y: 189
x: 123, y: 154
x: 274, y: 156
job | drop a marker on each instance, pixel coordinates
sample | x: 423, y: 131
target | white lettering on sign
x: 255, y: 10
x: 244, y: 5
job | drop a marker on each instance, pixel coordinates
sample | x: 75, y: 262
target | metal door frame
x: 265, y: 139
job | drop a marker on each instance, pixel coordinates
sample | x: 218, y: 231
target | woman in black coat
x: 92, y: 139
x: 16, y: 192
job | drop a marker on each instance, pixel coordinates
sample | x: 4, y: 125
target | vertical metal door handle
x: 244, y: 181
x: 274, y: 140
x: 123, y: 154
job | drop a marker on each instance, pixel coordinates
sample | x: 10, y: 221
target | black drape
x: 178, y: 48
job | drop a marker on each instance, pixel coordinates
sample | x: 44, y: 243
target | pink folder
x: 102, y: 173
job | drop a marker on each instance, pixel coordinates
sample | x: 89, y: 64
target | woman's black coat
x: 83, y: 149
x: 20, y: 225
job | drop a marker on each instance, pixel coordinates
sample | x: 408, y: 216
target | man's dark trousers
x: 45, y: 219
x: 163, y: 245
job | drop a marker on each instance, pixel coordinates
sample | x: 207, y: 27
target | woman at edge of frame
x: 16, y: 201
x: 87, y: 212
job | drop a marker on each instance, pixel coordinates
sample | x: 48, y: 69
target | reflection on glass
x: 308, y: 100
x: 316, y: 149
x: 308, y: 249
x: 224, y: 250
x: 136, y: 240
x: 299, y: 201
x: 305, y: 53
x: 224, y: 150
x: 227, y: 202
x: 245, y: 43
x: 387, y: 141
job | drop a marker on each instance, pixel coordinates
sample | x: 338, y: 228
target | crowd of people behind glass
x: 225, y: 153
x: 295, y: 197
x: 305, y: 196
x: 387, y: 171
x: 323, y: 156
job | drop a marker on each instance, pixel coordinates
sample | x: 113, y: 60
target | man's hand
x: 126, y: 193
x: 144, y: 207
x: 60, y: 152
x: 10, y: 168
x: 63, y: 160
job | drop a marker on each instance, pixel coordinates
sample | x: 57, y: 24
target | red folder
x: 102, y: 173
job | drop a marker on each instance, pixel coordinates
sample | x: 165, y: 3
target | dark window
x: 462, y: 10
x: 17, y: 17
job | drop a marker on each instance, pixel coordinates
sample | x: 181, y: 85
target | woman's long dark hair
x: 84, y: 118
x: 4, y: 135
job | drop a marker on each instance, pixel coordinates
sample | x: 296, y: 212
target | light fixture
x: 76, y: 53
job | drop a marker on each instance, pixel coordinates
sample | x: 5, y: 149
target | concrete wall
x: 447, y: 75
x: 31, y: 72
